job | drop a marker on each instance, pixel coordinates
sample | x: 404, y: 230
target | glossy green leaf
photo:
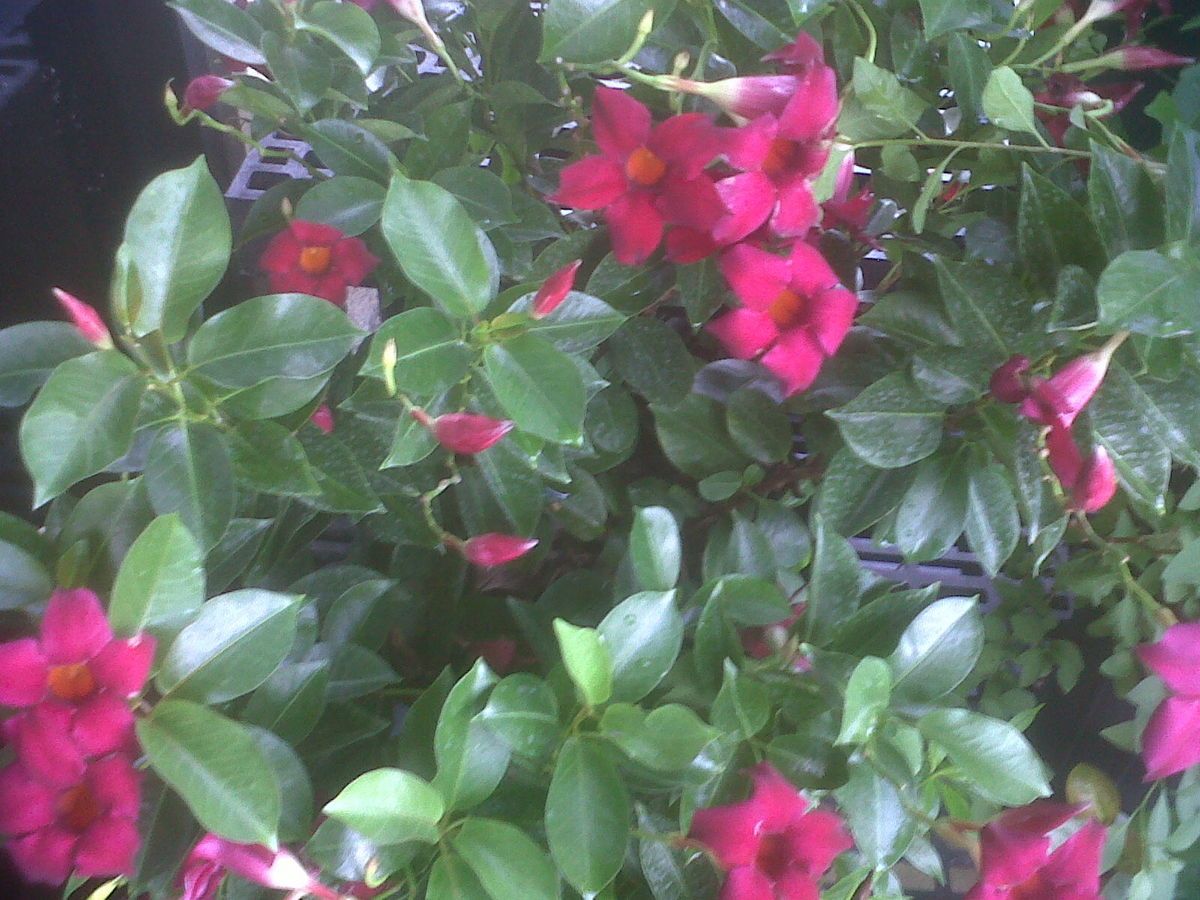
x: 431, y: 356
x: 937, y: 651
x: 652, y: 360
x: 994, y: 755
x: 188, y: 471
x: 694, y: 438
x: 347, y: 202
x: 667, y: 739
x: 833, y: 584
x: 1053, y: 230
x: 160, y: 584
x: 891, y: 424
x: 587, y: 659
x: 1124, y: 202
x: 179, y: 240
x: 876, y: 814
x: 388, y: 806
x: 538, y: 387
x: 451, y: 878
x: 482, y: 193
x: 231, y: 647
x: 992, y: 523
x: 223, y: 27
x: 523, y: 711
x: 291, y: 700
x: 853, y: 495
x: 758, y: 425
x: 439, y: 248
x: 969, y: 68
x: 350, y: 149
x: 1007, y: 102
x: 267, y: 457
x: 347, y: 27
x: 587, y: 816
x: 579, y: 323
x: 1151, y: 292
x: 592, y: 31
x: 943, y: 16
x: 867, y: 694
x: 655, y: 548
x: 934, y: 509
x: 507, y: 863
x: 299, y: 69
x: 216, y: 766
x: 1183, y: 187
x: 24, y: 580
x: 643, y: 635
x: 470, y: 760
x: 29, y: 352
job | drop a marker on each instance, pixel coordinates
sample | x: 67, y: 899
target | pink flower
x: 798, y: 56
x: 1064, y: 394
x: 88, y: 826
x: 555, y: 289
x: 315, y: 259
x: 1017, y: 862
x: 322, y: 418
x: 771, y: 845
x: 85, y: 319
x: 1134, y: 58
x: 795, y: 314
x: 1171, y: 741
x: 76, y: 660
x: 1008, y: 383
x: 467, y: 433
x: 645, y: 175
x: 205, y: 91
x: 205, y: 868
x: 494, y: 549
x: 1097, y: 483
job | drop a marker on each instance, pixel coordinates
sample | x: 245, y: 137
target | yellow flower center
x: 72, y: 682
x: 644, y: 167
x: 316, y: 260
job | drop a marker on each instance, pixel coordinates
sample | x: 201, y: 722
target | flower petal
x: 42, y: 739
x: 25, y: 803
x: 689, y: 245
x: 1175, y: 658
x: 813, y: 109
x: 747, y: 883
x: 796, y: 360
x: 798, y: 212
x: 314, y: 234
x: 830, y: 316
x: 796, y: 885
x: 123, y: 666
x: 815, y: 840
x: 620, y: 123
x: 811, y: 272
x: 353, y: 261
x: 108, y: 847
x: 1171, y: 741
x: 749, y: 200
x: 635, y: 227
x: 74, y: 628
x: 23, y: 673
x: 1075, y: 865
x: 688, y: 143
x: 281, y: 253
x: 779, y: 803
x: 102, y: 724
x: 745, y: 333
x: 747, y: 147
x: 691, y: 202
x: 756, y: 276
x: 591, y: 183
x: 45, y: 855
x: 731, y: 832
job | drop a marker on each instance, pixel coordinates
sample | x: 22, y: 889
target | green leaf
x: 1124, y: 202
x: 188, y: 471
x: 483, y: 194
x: 986, y: 315
x: 231, y: 647
x: 452, y: 879
x: 758, y: 425
x: 291, y: 700
x: 667, y: 739
x: 346, y: 26
x: 470, y: 761
x: 944, y: 16
x: 1133, y: 442
x: 969, y: 71
x: 655, y: 548
x: 350, y: 149
x: 992, y: 524
x: 834, y: 589
x: 29, y: 352
x: 439, y: 248
x: 742, y: 706
x: 388, y: 806
x: 643, y: 635
x: 1150, y: 292
x: 267, y: 457
x: 24, y: 581
x: 757, y: 20
x: 879, y: 822
x: 538, y: 387
x: 216, y: 766
x: 1183, y: 187
x: 1007, y: 102
x: 179, y: 240
x: 81, y: 421
x: 853, y: 496
x: 223, y: 27
x: 299, y: 69
x: 587, y: 659
x: 934, y: 509
x: 507, y: 863
x: 994, y: 755
x: 577, y: 324
x: 891, y: 424
x: 587, y: 816
x: 276, y: 336
x: 652, y: 360
x: 694, y: 438
x: 894, y: 108
x: 431, y: 356
x: 523, y: 711
x: 1170, y: 409
x: 592, y: 31
x: 348, y: 203
x: 937, y: 651
x: 160, y: 584
x: 1053, y: 230
x: 513, y: 484
x: 867, y: 694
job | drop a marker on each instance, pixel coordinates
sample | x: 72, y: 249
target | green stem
x: 1159, y: 612
x: 872, y: 36
x: 978, y: 145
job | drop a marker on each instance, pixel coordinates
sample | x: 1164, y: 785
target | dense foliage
x: 500, y: 545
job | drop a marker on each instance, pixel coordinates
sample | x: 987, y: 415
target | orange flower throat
x: 316, y: 260
x: 644, y: 167
x: 72, y: 682
x: 77, y: 808
x: 786, y: 309
x: 779, y: 156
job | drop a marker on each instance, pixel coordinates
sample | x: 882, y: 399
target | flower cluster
x: 1019, y: 860
x: 1056, y: 402
x: 742, y: 193
x: 1171, y: 741
x: 772, y: 844
x: 69, y: 801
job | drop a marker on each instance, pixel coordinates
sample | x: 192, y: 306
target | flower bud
x: 1062, y: 453
x: 555, y: 289
x: 494, y: 549
x: 1097, y: 482
x: 1008, y: 384
x: 414, y: 11
x: 1064, y: 395
x: 279, y: 869
x: 469, y: 433
x: 204, y: 92
x: 1134, y: 59
x: 85, y: 319
x: 322, y: 417
x: 747, y: 96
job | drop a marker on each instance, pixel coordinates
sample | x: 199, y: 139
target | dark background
x: 83, y: 128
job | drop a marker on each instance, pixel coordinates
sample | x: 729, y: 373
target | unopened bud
x: 1064, y: 395
x: 322, y: 417
x: 85, y: 319
x: 555, y: 289
x: 1135, y: 59
x: 1008, y: 384
x: 388, y: 361
x: 494, y: 549
x: 468, y: 433
x: 1097, y: 482
x: 204, y: 92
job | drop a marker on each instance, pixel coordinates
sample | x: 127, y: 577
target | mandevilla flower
x: 205, y: 91
x: 1063, y: 396
x: 85, y: 319
x: 554, y: 290
x: 1171, y: 741
x: 795, y: 313
x: 205, y: 868
x: 311, y: 258
x: 1096, y: 484
x: 495, y: 549
x: 88, y: 825
x: 465, y: 433
x: 772, y: 845
x: 1008, y: 383
x: 645, y: 175
x: 1135, y: 59
x: 1018, y: 864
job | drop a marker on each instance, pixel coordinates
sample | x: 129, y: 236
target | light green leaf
x: 160, y: 584
x: 994, y: 755
x: 588, y: 661
x: 389, y: 806
x: 1007, y: 102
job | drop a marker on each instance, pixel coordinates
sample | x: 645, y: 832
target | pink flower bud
x: 555, y: 289
x: 1097, y: 482
x: 202, y: 873
x: 495, y: 549
x: 748, y: 96
x: 1063, y: 455
x: 413, y: 10
x: 1008, y: 383
x: 1064, y: 395
x: 1133, y: 59
x: 469, y: 433
x: 204, y: 92
x: 322, y: 417
x: 801, y: 53
x: 86, y: 319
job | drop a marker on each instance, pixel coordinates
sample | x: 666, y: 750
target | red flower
x: 1063, y: 396
x: 322, y: 418
x: 315, y: 259
x: 554, y: 290
x: 1017, y: 862
x: 645, y: 175
x: 1134, y: 58
x: 85, y: 319
x: 205, y: 868
x: 795, y: 314
x: 205, y: 91
x: 1090, y: 483
x: 467, y: 433
x: 88, y: 825
x: 1171, y: 741
x: 493, y: 549
x: 772, y: 845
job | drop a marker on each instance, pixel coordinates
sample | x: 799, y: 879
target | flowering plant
x: 525, y: 532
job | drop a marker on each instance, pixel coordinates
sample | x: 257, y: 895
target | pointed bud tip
x: 468, y: 433
x: 555, y: 289
x: 85, y: 319
x: 494, y: 549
